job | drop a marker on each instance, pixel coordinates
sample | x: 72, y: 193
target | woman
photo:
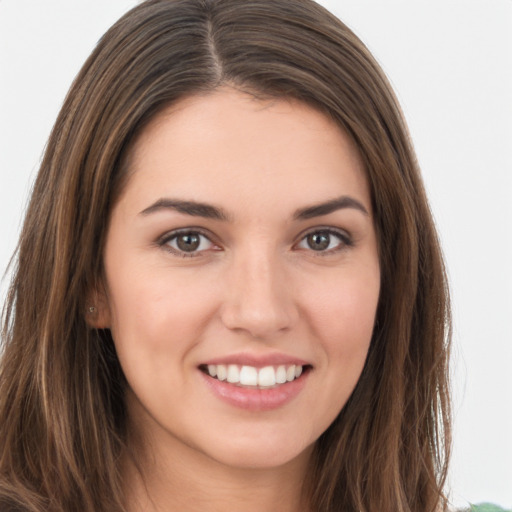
x: 229, y: 288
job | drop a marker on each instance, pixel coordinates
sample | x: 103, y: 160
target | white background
x: 450, y: 62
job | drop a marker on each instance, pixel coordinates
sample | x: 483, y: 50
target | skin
x: 254, y: 286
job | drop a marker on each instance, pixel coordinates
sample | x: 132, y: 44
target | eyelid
x: 163, y: 241
x: 345, y: 237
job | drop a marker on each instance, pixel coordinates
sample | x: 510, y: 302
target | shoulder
x: 487, y: 507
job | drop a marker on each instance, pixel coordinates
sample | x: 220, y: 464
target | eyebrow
x: 193, y: 208
x: 331, y: 206
x: 209, y: 211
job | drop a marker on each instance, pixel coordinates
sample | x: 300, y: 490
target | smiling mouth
x: 267, y: 377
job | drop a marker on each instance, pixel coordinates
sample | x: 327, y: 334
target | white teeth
x: 222, y: 372
x: 233, y: 374
x: 281, y: 375
x: 248, y: 376
x: 265, y: 377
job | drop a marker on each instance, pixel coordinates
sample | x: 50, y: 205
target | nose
x: 259, y: 299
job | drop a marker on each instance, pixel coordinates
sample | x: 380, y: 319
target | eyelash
x: 174, y: 235
x: 344, y: 238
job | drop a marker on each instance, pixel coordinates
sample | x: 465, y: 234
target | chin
x: 262, y: 453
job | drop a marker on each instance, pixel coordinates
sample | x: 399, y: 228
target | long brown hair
x: 62, y: 416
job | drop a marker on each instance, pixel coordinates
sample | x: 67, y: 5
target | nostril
x: 260, y: 321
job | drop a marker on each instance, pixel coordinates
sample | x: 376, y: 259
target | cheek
x: 156, y: 323
x: 342, y: 315
x: 150, y: 310
x: 346, y: 305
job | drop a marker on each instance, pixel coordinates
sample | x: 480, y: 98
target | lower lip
x: 253, y: 399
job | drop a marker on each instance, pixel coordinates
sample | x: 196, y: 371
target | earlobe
x: 97, y: 313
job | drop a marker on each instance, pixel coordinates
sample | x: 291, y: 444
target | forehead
x: 228, y: 145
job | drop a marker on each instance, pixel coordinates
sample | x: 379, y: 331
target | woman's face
x: 242, y: 278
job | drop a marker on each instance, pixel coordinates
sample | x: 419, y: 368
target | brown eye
x: 187, y: 243
x: 318, y: 241
x: 325, y: 240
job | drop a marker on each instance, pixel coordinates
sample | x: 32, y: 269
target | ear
x: 97, y: 313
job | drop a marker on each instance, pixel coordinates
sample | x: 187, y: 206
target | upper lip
x: 257, y: 360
